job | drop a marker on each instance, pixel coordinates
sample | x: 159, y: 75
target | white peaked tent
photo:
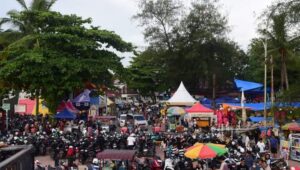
x: 181, y: 97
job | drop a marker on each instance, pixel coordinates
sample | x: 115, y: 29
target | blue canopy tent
x: 259, y: 119
x: 83, y: 97
x: 65, y: 114
x: 246, y: 85
x: 257, y: 91
x: 206, y: 101
x: 227, y: 99
x: 82, y: 101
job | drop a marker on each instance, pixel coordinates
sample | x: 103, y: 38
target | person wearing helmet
x: 94, y: 165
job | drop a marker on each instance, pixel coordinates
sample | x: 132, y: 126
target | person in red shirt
x: 70, y: 155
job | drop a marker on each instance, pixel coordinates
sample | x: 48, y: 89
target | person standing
x: 261, y: 145
x: 224, y: 165
x: 131, y: 141
x: 242, y: 166
x: 249, y: 160
x: 273, y: 145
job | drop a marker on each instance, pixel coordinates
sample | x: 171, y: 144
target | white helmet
x: 95, y: 161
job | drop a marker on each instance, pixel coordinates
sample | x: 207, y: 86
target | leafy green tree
x: 159, y: 17
x: 147, y: 74
x: 198, y: 48
x: 61, y: 56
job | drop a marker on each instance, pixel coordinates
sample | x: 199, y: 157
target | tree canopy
x: 193, y: 48
x: 60, y: 55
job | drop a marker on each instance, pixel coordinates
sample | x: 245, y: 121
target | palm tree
x: 21, y: 28
x: 282, y: 43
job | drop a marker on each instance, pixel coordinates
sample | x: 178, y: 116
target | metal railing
x: 22, y: 159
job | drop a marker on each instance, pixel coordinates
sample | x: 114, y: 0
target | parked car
x: 140, y: 120
x: 124, y: 118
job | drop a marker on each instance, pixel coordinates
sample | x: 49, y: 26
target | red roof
x: 197, y: 107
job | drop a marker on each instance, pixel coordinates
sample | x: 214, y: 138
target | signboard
x: 6, y: 106
x: 20, y: 108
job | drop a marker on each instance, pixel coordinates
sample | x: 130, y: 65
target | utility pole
x: 265, y: 81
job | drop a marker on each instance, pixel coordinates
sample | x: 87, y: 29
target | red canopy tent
x: 66, y: 105
x: 199, y: 108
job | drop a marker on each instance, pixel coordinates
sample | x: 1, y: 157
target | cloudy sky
x: 115, y: 15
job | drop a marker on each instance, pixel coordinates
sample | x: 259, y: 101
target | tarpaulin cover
x: 65, y: 114
x: 95, y: 100
x: 198, y: 108
x: 246, y: 85
x: 116, y: 154
x: 83, y: 97
x: 259, y: 119
x: 220, y: 100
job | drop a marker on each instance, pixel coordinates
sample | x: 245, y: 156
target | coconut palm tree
x: 21, y: 28
x: 282, y: 43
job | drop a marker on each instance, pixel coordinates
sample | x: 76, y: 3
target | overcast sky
x: 115, y: 15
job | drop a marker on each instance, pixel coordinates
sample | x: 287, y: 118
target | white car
x: 124, y: 118
x: 140, y: 120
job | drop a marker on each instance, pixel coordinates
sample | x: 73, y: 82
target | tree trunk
x: 284, y: 74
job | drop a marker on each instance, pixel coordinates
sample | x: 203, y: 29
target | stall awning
x: 259, y: 119
x: 116, y: 154
x: 199, y: 108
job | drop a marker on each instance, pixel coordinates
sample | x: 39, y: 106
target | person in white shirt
x: 131, y: 141
x: 261, y: 145
x: 247, y: 140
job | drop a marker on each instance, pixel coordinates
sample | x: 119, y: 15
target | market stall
x: 175, y: 115
x: 27, y: 106
x: 204, y: 115
x: 295, y: 147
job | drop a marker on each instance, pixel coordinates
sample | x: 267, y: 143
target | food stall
x: 175, y: 114
x: 202, y: 114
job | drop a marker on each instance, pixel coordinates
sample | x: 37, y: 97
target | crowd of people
x: 77, y: 142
